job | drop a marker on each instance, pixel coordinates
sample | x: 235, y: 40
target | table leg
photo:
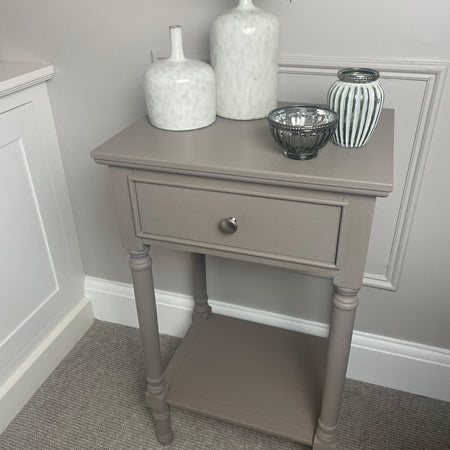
x: 345, y: 302
x: 201, y: 307
x: 141, y: 270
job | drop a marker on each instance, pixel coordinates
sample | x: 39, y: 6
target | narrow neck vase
x: 180, y: 93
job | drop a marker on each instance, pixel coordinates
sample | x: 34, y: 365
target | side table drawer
x: 267, y: 225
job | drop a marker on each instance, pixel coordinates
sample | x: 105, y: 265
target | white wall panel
x: 27, y: 266
x: 41, y: 277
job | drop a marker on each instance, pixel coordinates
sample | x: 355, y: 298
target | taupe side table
x: 227, y: 190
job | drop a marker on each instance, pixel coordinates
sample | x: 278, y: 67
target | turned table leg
x: 345, y: 302
x: 201, y: 307
x: 141, y: 269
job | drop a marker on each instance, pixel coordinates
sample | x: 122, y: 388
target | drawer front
x: 267, y: 226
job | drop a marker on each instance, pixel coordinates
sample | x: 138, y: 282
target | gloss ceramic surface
x: 180, y: 93
x: 244, y: 55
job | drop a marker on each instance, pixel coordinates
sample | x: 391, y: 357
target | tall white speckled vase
x: 244, y: 55
x: 180, y: 93
x: 357, y: 97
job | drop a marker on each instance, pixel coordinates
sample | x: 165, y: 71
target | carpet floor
x: 94, y: 400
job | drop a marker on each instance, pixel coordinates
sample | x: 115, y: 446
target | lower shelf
x: 261, y: 377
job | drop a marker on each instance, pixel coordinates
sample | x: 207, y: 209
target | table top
x: 246, y: 149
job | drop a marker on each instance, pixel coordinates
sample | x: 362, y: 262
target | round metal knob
x: 229, y: 225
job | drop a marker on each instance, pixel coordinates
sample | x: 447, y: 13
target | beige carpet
x: 94, y: 400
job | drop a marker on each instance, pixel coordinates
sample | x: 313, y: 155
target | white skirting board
x: 403, y: 365
x: 28, y: 377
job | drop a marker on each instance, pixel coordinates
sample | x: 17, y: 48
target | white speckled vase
x: 244, y: 55
x: 180, y: 93
x: 357, y: 97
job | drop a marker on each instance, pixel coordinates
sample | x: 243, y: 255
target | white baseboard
x: 403, y: 365
x: 28, y: 377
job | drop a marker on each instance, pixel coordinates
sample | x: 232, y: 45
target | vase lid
x: 358, y: 75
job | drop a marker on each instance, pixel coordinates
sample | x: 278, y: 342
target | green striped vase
x: 357, y: 97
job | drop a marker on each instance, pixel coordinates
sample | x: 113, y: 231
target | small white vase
x: 180, y: 93
x: 244, y: 55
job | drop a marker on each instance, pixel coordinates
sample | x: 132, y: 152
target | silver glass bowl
x: 302, y: 129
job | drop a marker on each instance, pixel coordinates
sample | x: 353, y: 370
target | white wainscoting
x: 393, y: 363
x: 414, y: 90
x: 43, y: 310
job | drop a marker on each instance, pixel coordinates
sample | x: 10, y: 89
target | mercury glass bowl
x: 302, y: 129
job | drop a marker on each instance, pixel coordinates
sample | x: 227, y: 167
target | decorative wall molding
x: 393, y: 363
x: 431, y: 75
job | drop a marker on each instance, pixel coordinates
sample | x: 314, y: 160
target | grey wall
x: 100, y: 50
